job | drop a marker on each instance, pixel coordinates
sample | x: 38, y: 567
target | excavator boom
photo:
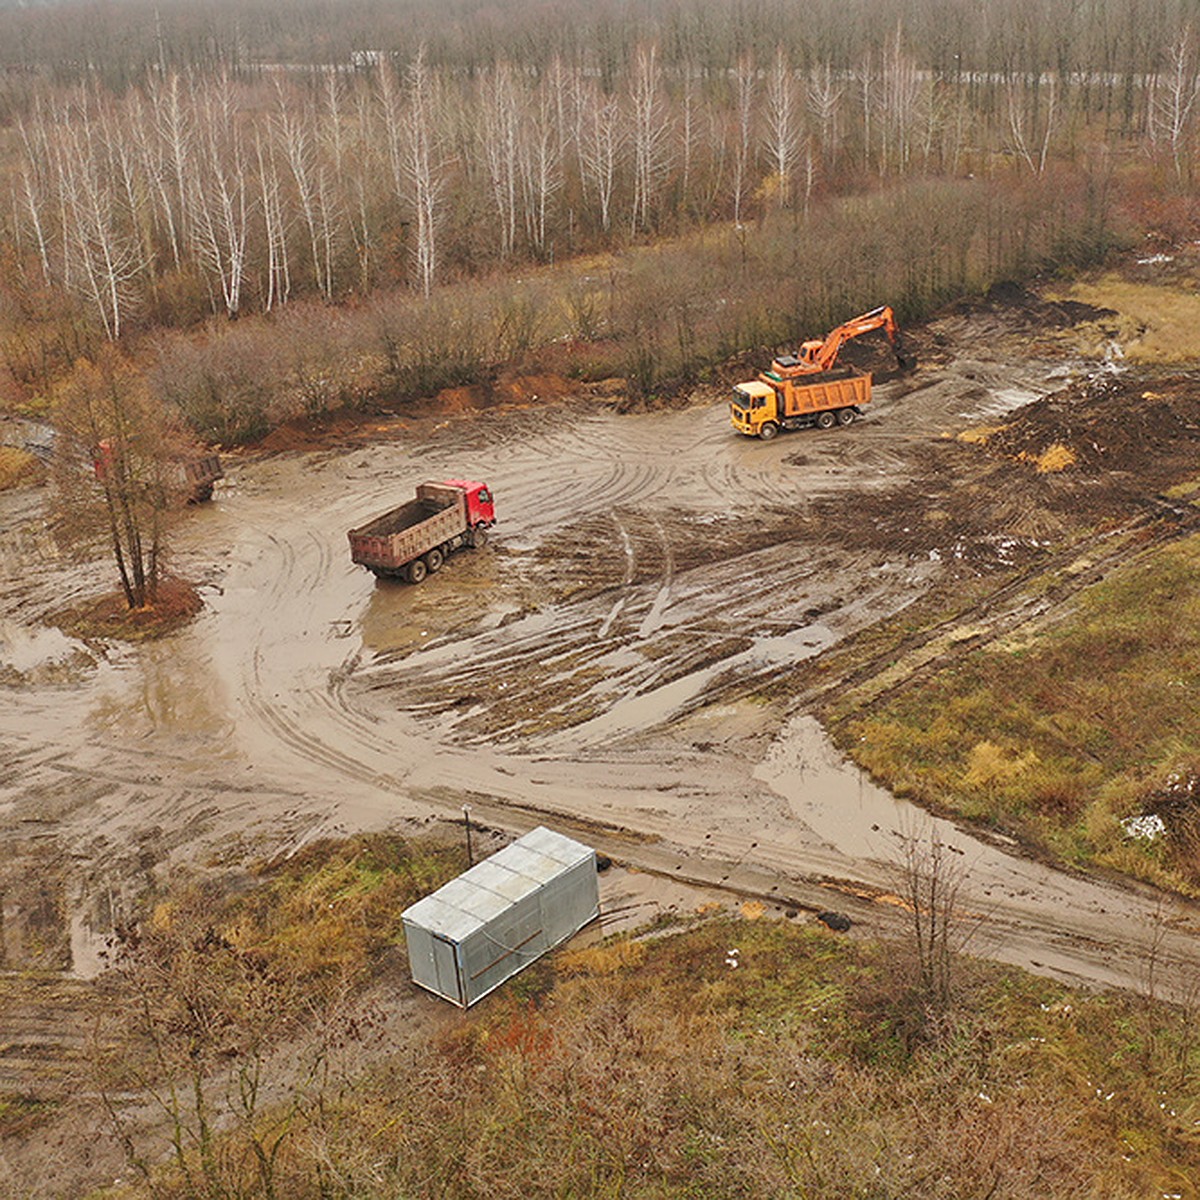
x: 816, y: 356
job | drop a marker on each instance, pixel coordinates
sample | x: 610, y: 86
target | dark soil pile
x: 1114, y: 423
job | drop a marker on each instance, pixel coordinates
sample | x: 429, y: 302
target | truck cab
x: 753, y: 407
x: 481, y: 508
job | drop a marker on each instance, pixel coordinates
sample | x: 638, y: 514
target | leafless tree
x: 931, y: 876
x: 900, y: 108
x: 650, y: 135
x: 600, y: 150
x: 220, y: 207
x: 297, y: 142
x: 423, y: 168
x: 1021, y: 137
x: 278, y: 282
x: 541, y: 166
x: 500, y: 129
x: 782, y: 136
x: 1173, y: 99
x: 824, y: 102
x: 743, y: 138
x: 102, y: 253
x: 173, y: 133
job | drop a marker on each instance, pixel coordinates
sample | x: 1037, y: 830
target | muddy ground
x: 635, y: 659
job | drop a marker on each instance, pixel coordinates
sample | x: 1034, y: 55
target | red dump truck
x: 192, y: 477
x: 412, y: 541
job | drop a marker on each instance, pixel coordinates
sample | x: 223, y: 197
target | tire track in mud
x: 375, y: 737
x: 1008, y: 607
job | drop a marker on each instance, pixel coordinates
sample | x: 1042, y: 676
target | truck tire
x: 417, y: 570
x: 826, y: 419
x: 768, y: 431
x: 846, y: 416
x: 434, y: 560
x: 478, y: 536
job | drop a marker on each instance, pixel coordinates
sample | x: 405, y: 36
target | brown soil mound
x: 1147, y: 428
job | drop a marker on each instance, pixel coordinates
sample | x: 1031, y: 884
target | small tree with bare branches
x: 118, y: 469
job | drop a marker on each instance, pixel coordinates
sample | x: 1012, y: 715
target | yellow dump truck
x: 764, y: 406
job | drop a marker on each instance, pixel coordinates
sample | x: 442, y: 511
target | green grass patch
x: 1058, y: 736
x: 334, y: 908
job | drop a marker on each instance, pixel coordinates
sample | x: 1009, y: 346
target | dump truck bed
x: 800, y: 397
x: 396, y: 537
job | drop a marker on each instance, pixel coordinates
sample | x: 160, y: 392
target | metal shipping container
x: 480, y: 929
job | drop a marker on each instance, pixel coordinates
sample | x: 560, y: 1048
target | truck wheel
x: 825, y: 420
x: 846, y: 416
x: 479, y: 536
x: 417, y: 570
x: 768, y: 430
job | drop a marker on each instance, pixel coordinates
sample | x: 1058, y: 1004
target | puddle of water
x: 26, y: 649
x: 832, y: 796
x: 856, y: 817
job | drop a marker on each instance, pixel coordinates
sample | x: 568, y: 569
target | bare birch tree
x: 174, y: 129
x: 295, y: 138
x: 278, y: 281
x: 1023, y: 130
x: 600, y: 150
x: 220, y: 205
x: 423, y: 168
x: 499, y: 128
x: 781, y: 138
x: 743, y: 139
x: 1173, y: 99
x: 103, y: 255
x: 824, y: 102
x: 541, y: 167
x: 650, y: 135
x: 900, y: 112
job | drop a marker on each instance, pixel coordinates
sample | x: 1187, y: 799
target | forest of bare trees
x: 216, y: 186
x: 161, y: 165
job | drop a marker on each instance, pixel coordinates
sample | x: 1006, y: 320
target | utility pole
x: 467, y: 822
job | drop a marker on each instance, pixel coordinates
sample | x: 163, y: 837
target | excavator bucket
x: 906, y: 361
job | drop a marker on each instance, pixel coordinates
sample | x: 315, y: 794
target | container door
x: 445, y: 969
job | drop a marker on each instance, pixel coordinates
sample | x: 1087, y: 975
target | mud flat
x: 603, y: 664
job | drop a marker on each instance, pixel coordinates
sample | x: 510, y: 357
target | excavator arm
x: 816, y: 356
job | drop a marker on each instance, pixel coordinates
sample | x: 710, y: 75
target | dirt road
x: 598, y: 667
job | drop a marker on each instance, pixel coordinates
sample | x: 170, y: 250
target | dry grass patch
x: 19, y: 468
x: 1157, y: 323
x: 1060, y: 736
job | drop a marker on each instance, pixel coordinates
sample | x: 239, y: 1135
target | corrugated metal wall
x: 480, y: 929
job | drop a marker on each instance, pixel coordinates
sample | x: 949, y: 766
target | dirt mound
x: 507, y: 390
x: 1109, y: 424
x: 1033, y: 311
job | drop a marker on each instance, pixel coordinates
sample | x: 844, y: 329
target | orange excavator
x: 818, y: 356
